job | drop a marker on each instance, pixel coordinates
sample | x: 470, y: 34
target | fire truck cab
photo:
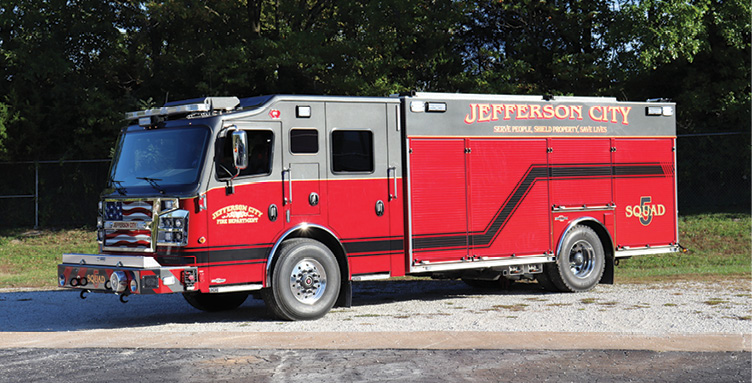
x: 295, y: 197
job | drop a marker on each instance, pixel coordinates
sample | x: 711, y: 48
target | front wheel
x: 305, y: 281
x: 580, y: 264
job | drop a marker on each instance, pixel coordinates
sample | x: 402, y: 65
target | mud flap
x: 608, y: 271
x: 345, y: 295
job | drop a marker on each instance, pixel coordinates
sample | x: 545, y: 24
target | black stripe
x: 214, y: 256
x: 580, y: 171
x: 638, y: 170
x: 232, y: 284
x: 380, y: 245
x: 446, y: 241
x: 261, y: 254
x: 372, y: 254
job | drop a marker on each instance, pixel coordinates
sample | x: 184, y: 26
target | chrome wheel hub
x: 582, y: 259
x: 308, y: 281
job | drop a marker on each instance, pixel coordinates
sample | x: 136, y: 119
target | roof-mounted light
x: 659, y: 111
x: 168, y: 110
x: 186, y: 107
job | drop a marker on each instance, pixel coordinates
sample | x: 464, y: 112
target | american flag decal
x: 127, y: 220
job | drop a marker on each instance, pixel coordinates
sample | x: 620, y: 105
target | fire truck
x: 295, y: 197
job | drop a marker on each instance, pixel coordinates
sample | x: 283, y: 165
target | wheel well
x: 330, y: 241
x: 608, y: 247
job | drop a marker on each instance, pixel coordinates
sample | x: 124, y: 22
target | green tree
x: 56, y: 76
x: 534, y: 46
x: 4, y: 119
x: 696, y: 53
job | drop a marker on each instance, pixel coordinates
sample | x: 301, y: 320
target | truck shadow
x: 64, y: 310
x: 384, y: 292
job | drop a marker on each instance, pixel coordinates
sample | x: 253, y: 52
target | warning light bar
x: 168, y: 110
x: 184, y: 107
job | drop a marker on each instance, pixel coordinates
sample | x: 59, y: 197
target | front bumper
x: 141, y: 275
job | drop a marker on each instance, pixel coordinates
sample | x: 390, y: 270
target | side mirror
x: 240, y: 149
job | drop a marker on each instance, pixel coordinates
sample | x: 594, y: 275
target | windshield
x: 167, y: 159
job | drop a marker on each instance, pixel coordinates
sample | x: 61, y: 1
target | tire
x: 580, y: 264
x: 305, y: 281
x: 215, y: 302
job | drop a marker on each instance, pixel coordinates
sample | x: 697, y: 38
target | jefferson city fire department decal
x: 646, y: 210
x: 236, y: 214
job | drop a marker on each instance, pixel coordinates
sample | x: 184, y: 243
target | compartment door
x: 644, y: 183
x: 509, y: 211
x: 438, y: 199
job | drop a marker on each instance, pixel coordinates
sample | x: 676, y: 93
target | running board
x: 235, y: 288
x: 629, y: 252
x: 481, y: 263
x: 370, y: 277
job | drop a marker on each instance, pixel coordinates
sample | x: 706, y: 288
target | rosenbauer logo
x: 236, y: 214
x: 646, y: 210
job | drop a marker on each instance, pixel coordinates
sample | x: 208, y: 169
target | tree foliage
x: 70, y: 68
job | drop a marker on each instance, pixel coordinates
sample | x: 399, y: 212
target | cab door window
x: 260, y: 144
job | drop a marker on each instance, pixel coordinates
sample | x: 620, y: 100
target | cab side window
x: 260, y: 143
x: 304, y: 141
x: 352, y: 151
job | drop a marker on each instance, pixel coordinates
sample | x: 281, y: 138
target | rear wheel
x: 580, y: 264
x: 215, y: 302
x: 305, y: 281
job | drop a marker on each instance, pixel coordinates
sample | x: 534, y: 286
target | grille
x: 127, y: 225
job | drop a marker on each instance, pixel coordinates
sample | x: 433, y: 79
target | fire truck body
x: 297, y: 196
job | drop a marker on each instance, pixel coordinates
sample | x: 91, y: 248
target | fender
x: 606, y: 239
x: 600, y: 229
x: 329, y: 239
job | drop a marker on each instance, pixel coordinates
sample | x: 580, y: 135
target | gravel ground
x: 412, y: 305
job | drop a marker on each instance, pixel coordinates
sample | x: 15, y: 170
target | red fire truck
x: 295, y: 197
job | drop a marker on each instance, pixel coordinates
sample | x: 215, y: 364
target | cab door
x: 304, y: 156
x: 361, y: 183
x: 243, y: 212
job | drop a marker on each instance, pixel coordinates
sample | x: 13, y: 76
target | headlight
x: 173, y: 228
x: 168, y: 204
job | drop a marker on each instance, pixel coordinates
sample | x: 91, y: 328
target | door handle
x: 287, y: 198
x: 392, y: 172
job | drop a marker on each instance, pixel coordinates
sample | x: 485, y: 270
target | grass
x: 718, y: 246
x: 719, y: 249
x: 29, y: 258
